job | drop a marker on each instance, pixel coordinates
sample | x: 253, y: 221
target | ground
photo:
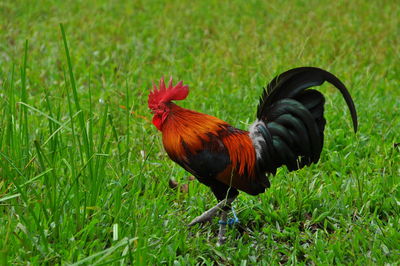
x: 85, y: 181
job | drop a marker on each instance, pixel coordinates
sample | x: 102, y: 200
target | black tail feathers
x: 292, y: 83
x: 290, y: 119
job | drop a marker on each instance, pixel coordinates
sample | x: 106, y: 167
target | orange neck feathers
x: 185, y: 131
x: 189, y: 127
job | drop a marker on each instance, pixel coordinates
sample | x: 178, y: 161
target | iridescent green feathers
x: 292, y: 82
x: 291, y: 121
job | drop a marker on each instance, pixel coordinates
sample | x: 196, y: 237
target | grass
x: 82, y: 181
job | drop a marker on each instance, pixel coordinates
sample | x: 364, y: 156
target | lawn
x: 83, y: 174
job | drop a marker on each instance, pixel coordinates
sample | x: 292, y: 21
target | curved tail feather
x: 292, y: 82
x: 289, y: 129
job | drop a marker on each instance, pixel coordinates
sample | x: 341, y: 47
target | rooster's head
x: 160, y: 99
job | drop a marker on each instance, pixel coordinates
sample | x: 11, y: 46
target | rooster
x: 288, y: 131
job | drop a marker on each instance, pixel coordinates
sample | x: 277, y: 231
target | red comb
x: 166, y: 94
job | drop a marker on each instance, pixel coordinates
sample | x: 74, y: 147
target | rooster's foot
x: 211, y: 213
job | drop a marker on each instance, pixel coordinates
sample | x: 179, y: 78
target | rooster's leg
x: 222, y: 228
x: 211, y: 213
